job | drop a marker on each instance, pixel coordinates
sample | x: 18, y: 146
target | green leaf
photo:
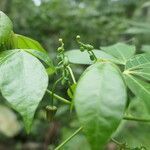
x: 139, y: 87
x: 5, y: 54
x: 139, y: 65
x: 146, y: 48
x: 6, y: 28
x: 135, y: 134
x: 100, y: 100
x: 120, y: 51
x: 40, y: 55
x: 23, y: 82
x: 23, y: 42
x: 78, y: 57
x: 71, y: 90
x: 136, y: 111
x: 138, y: 28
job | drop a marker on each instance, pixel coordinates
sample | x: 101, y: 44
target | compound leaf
x: 120, y: 51
x: 139, y: 87
x: 139, y: 65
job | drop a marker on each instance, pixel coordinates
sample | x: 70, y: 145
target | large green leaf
x: 6, y: 28
x: 139, y: 65
x: 120, y: 51
x: 139, y: 87
x: 23, y: 82
x: 78, y: 57
x: 5, y: 54
x: 42, y: 56
x: 100, y: 99
x: 23, y: 42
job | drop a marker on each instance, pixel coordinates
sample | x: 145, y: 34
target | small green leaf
x: 23, y: 42
x: 139, y: 65
x: 71, y: 90
x: 120, y: 51
x: 78, y: 57
x: 100, y: 100
x: 6, y: 28
x: 23, y: 82
x: 139, y: 87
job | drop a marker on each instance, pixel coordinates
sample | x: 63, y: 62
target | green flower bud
x: 92, y: 57
x: 50, y: 112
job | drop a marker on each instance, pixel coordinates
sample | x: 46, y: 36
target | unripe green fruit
x: 82, y: 49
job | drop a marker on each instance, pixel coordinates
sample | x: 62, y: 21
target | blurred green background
x: 98, y: 22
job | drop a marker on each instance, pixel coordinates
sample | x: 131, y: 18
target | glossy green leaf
x: 23, y: 42
x: 6, y: 28
x: 120, y: 51
x: 139, y: 87
x: 100, y: 100
x: 78, y: 57
x: 139, y: 65
x: 23, y: 82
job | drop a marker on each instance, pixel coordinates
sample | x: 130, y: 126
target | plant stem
x: 72, y: 75
x: 116, y: 142
x: 136, y: 119
x: 69, y: 138
x: 59, y: 97
x: 121, y: 145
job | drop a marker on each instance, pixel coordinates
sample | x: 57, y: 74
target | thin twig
x: 59, y: 97
x: 69, y: 138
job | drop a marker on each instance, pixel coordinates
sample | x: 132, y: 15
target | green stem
x: 69, y: 138
x: 53, y: 88
x: 59, y: 97
x: 116, y: 142
x: 136, y: 119
x: 121, y: 145
x: 72, y: 75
